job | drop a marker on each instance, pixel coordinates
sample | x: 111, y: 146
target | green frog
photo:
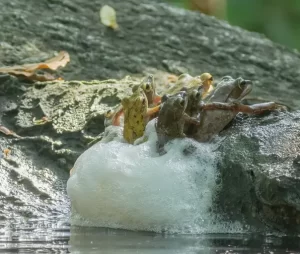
x: 149, y: 88
x: 136, y: 114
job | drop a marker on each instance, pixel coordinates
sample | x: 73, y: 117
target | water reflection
x: 34, y: 236
x: 95, y: 240
x: 54, y: 235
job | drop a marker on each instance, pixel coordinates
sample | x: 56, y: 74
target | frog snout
x: 245, y: 82
x: 164, y: 98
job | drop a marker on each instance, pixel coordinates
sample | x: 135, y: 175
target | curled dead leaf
x: 6, y: 131
x: 41, y: 121
x: 6, y: 152
x: 29, y: 70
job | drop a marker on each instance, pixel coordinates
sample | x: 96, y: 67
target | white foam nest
x: 119, y: 185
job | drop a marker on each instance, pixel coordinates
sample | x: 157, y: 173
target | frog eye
x: 198, y: 94
x: 144, y: 101
x: 226, y: 78
x: 164, y: 98
x: 243, y: 82
x: 211, y: 78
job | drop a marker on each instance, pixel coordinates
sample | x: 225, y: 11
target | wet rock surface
x: 260, y: 163
x: 259, y: 170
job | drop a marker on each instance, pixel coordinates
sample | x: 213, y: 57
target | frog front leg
x: 162, y: 139
x: 190, y: 119
x: 151, y: 111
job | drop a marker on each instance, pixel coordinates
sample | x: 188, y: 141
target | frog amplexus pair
x: 191, y: 108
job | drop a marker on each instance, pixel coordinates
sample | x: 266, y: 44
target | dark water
x: 55, y: 235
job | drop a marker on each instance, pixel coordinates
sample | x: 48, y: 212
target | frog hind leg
x: 189, y: 150
x: 162, y: 139
x: 157, y: 100
x: 117, y: 116
x: 238, y: 107
x: 160, y: 148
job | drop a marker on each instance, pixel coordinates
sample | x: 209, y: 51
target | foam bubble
x: 119, y: 185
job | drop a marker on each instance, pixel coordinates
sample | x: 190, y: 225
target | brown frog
x: 223, y: 105
x: 193, y: 108
x: 149, y: 88
x: 171, y: 119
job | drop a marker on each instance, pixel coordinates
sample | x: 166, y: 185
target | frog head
x: 230, y: 89
x: 149, y: 89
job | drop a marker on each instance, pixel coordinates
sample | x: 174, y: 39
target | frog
x: 207, y: 84
x: 171, y: 119
x: 149, y: 88
x: 223, y: 105
x: 186, y: 81
x: 136, y: 114
x: 108, y: 118
x: 113, y: 117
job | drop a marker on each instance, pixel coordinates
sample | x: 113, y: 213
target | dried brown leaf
x: 28, y: 70
x: 6, y: 131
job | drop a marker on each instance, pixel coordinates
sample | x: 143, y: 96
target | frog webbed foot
x: 190, y: 149
x: 160, y: 148
x: 182, y: 135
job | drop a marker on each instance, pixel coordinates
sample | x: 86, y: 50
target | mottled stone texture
x: 151, y: 35
x: 259, y: 171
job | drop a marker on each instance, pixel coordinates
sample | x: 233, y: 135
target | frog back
x: 135, y: 109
